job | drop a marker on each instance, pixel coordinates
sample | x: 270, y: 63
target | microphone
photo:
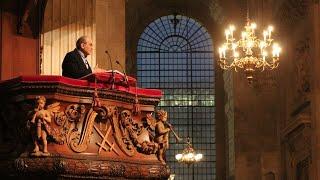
x: 113, y: 77
x: 124, y: 73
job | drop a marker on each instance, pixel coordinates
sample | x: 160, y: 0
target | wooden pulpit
x: 99, y: 127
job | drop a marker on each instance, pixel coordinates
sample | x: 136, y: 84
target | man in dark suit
x: 75, y: 64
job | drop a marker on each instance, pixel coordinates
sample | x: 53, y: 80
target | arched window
x: 174, y: 54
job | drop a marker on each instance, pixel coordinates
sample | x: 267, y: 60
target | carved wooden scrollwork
x: 79, y: 142
x: 60, y: 118
x: 75, y: 112
x: 123, y: 142
x: 133, y: 136
x: 67, y: 121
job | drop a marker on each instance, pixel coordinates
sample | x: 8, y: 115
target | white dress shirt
x: 83, y: 58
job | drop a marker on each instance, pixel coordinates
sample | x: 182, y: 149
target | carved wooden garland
x: 120, y: 134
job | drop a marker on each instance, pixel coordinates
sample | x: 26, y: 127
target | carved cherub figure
x: 39, y: 126
x: 162, y: 130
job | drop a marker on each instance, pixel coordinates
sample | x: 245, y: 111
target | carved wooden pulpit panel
x: 60, y: 127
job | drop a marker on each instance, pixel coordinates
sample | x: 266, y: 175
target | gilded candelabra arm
x: 223, y: 64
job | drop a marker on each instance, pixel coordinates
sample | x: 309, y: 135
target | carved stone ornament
x: 302, y: 62
x: 292, y: 11
x: 296, y: 138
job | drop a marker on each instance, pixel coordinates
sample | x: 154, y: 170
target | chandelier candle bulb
x: 231, y: 30
x: 265, y: 34
x: 273, y: 53
x: 236, y: 54
x: 262, y: 46
x: 264, y: 55
x: 253, y: 25
x: 178, y: 157
x: 270, y: 29
x: 220, y: 53
x: 198, y: 157
x: 224, y: 48
x: 243, y: 35
x: 227, y: 32
x: 189, y: 155
x: 234, y: 46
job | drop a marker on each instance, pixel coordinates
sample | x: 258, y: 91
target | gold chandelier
x: 189, y: 155
x: 249, y: 53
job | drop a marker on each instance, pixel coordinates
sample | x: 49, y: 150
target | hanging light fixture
x: 189, y: 155
x: 249, y: 52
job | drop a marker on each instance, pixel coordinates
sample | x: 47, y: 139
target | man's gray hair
x: 82, y: 39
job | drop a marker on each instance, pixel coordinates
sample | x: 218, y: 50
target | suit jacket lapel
x: 80, y: 60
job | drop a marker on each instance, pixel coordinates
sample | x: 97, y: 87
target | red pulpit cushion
x: 81, y: 83
x: 106, y: 77
x: 53, y: 79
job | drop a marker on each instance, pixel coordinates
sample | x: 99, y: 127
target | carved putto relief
x: 40, y: 127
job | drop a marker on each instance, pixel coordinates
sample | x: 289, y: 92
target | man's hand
x: 98, y: 70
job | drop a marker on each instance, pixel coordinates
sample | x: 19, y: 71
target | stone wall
x: 298, y: 22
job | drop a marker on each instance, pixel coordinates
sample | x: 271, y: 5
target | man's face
x: 87, y: 47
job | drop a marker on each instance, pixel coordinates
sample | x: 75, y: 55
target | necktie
x: 86, y: 62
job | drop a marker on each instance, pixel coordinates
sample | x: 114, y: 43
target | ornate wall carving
x: 295, y: 21
x: 293, y: 14
x: 302, y: 67
x: 292, y: 11
x: 296, y: 140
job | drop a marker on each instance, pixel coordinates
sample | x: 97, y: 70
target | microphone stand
x: 113, y: 78
x: 124, y: 73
